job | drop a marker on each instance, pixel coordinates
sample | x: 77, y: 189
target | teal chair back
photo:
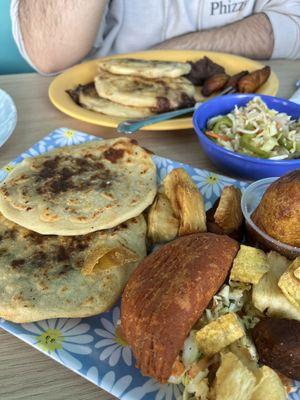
x: 11, y: 61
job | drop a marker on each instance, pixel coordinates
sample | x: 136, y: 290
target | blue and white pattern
x: 93, y: 347
x: 8, y: 117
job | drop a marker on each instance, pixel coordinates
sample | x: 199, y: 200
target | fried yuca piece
x: 229, y: 214
x: 219, y: 333
x: 251, y: 82
x: 269, y: 383
x: 233, y: 380
x: 162, y: 223
x: 186, y: 201
x: 177, y: 210
x: 289, y: 283
x: 267, y: 297
x: 249, y: 265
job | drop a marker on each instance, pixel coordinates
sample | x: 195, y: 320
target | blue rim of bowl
x: 255, y: 227
x: 235, y: 154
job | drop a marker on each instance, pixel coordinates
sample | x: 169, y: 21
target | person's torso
x: 134, y: 25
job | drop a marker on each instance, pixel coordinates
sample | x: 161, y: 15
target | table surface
x: 25, y: 373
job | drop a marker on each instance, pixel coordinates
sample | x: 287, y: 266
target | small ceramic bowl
x: 255, y: 236
x: 8, y: 116
x: 235, y: 163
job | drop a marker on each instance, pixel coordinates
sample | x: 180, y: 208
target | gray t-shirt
x: 133, y: 25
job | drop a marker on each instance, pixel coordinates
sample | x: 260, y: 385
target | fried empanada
x: 168, y: 293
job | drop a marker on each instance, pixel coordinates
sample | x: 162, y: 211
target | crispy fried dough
x: 162, y: 223
x: 249, y: 265
x: 228, y: 214
x: 186, y: 201
x: 289, y: 283
x: 168, y: 293
x: 177, y: 210
x: 219, y: 333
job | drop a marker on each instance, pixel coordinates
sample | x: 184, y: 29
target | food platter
x: 93, y: 347
x: 85, y: 73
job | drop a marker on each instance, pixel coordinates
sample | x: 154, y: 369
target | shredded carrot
x: 200, y: 365
x: 178, y: 368
x: 217, y: 136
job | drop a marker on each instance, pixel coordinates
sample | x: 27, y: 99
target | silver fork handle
x: 130, y: 126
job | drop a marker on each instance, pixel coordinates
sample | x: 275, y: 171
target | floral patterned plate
x: 91, y: 346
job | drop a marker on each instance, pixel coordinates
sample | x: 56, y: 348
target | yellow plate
x: 84, y: 73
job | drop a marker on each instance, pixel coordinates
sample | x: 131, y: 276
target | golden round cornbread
x: 278, y: 213
x: 80, y: 189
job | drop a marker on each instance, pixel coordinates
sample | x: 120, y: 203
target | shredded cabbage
x: 258, y: 131
x: 232, y: 297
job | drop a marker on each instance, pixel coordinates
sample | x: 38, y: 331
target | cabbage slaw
x: 192, y: 367
x: 257, y: 131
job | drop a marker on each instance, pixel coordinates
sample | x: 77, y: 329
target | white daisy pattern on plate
x: 161, y: 391
x: 163, y: 165
x: 116, y: 387
x: 68, y: 137
x: 40, y: 148
x: 61, y: 338
x: 3, y: 174
x: 6, y: 170
x: 209, y: 183
x: 92, y: 375
x: 113, y: 345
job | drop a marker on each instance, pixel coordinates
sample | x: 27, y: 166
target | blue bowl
x: 239, y: 164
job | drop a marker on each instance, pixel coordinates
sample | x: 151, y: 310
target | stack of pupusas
x: 72, y: 229
x: 136, y: 88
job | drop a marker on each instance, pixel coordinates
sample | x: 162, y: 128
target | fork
x: 133, y: 125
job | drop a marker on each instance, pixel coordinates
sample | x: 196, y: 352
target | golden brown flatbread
x: 80, y: 189
x: 45, y: 276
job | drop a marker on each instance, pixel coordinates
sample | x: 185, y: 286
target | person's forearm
x: 59, y: 33
x: 251, y: 37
